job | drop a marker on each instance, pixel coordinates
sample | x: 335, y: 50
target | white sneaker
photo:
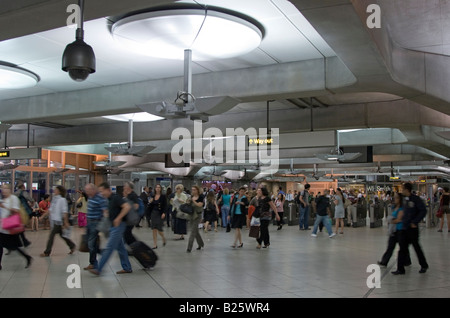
x: 314, y: 235
x: 332, y: 235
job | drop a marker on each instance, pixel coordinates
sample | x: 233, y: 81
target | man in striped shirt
x: 97, y: 207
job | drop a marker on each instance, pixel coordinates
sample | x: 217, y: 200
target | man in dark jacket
x: 322, y: 204
x: 414, y: 212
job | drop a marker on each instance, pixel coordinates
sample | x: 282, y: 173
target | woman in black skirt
x: 157, y: 208
x: 238, y: 215
x: 10, y: 205
x: 211, y: 212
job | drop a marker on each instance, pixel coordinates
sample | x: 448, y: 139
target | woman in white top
x: 279, y: 203
x: 179, y: 225
x: 339, y: 210
x: 59, y: 220
x: 10, y: 205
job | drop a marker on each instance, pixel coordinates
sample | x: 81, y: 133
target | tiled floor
x: 296, y: 265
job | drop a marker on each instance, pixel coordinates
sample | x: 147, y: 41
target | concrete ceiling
x: 322, y: 55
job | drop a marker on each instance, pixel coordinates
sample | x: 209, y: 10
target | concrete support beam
x: 278, y: 81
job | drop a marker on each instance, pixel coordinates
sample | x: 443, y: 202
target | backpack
x: 211, y: 207
x: 25, y: 205
x: 141, y: 209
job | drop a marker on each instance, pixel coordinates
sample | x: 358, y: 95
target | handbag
x: 255, y: 221
x: 80, y: 204
x: 257, y: 212
x: 24, y: 217
x: 254, y: 232
x: 228, y: 228
x: 104, y: 226
x: 84, y: 248
x: 439, y: 212
x: 11, y: 222
x: 187, y: 208
x: 182, y: 215
x: 132, y: 217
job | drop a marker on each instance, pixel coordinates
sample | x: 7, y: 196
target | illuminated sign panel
x: 4, y: 154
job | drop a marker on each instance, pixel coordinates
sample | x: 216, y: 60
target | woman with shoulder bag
x: 211, y: 211
x: 279, y: 203
x: 81, y: 206
x: 179, y: 224
x: 157, y: 208
x: 239, y: 209
x: 196, y: 201
x: 265, y: 204
x: 9, y: 206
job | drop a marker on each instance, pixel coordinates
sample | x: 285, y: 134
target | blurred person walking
x: 118, y: 208
x: 59, y: 220
x: 339, y: 210
x: 197, y: 202
x: 279, y: 203
x: 322, y: 206
x: 396, y: 230
x: 10, y: 205
x: 97, y: 208
x: 414, y: 212
x: 211, y: 211
x: 444, y: 205
x: 81, y: 206
x: 179, y: 225
x: 225, y: 208
x: 157, y: 207
x: 264, y: 206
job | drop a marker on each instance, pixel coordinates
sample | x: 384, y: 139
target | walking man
x: 97, y: 207
x: 415, y: 211
x: 117, y: 210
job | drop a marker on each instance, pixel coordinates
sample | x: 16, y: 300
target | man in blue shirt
x: 118, y: 208
x: 414, y: 212
x: 97, y: 207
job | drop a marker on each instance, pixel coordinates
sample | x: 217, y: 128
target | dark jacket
x: 244, y: 208
x: 159, y: 205
x: 415, y: 210
x: 322, y: 204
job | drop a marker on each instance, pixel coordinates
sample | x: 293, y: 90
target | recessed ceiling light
x: 209, y: 33
x: 136, y: 117
x: 13, y: 77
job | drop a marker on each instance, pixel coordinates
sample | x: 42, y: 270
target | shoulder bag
x: 132, y: 217
x: 187, y: 208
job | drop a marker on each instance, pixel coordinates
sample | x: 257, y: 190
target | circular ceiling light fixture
x: 210, y: 32
x: 13, y: 77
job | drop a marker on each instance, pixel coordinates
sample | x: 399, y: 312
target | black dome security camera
x: 78, y: 57
x: 78, y: 60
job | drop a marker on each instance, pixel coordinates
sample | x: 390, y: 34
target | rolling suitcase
x: 144, y: 254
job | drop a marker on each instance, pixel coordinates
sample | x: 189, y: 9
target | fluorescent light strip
x: 136, y: 117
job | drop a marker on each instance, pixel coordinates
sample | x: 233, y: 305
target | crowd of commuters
x: 212, y: 209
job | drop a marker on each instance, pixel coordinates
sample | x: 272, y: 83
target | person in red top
x: 44, y: 207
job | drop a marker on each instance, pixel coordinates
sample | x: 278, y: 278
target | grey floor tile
x: 295, y: 266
